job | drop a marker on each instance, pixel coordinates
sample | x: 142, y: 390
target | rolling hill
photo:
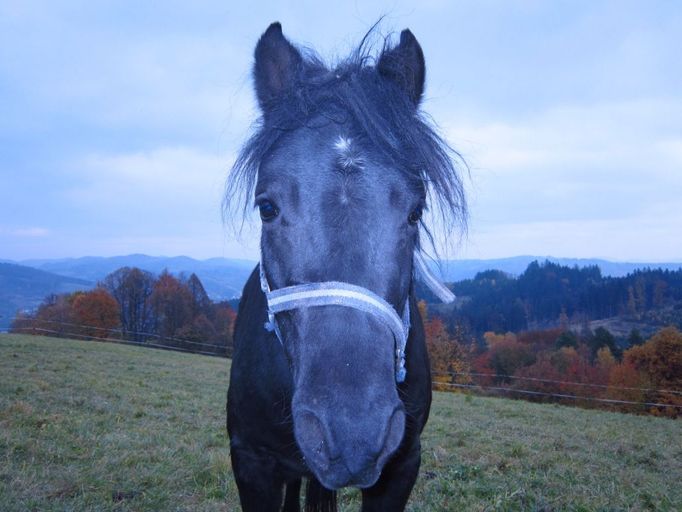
x: 23, y: 287
x: 222, y: 278
x: 458, y: 270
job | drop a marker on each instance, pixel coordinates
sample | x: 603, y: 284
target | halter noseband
x: 335, y: 293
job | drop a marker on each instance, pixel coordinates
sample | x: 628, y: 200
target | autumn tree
x: 96, y: 312
x: 492, y: 339
x: 132, y: 288
x: 224, y: 320
x: 563, y: 359
x: 200, y: 303
x: 605, y: 360
x: 54, y: 317
x: 627, y: 384
x: 540, y: 377
x: 171, y: 303
x: 602, y: 338
x: 566, y: 339
x: 539, y: 339
x: 198, y: 329
x: 448, y: 358
x: 660, y: 359
x: 175, y: 312
x: 508, y: 355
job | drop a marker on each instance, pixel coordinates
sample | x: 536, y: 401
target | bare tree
x: 132, y: 288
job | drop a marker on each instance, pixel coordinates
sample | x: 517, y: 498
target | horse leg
x: 395, y: 484
x: 319, y: 499
x: 260, y: 488
x: 292, y: 498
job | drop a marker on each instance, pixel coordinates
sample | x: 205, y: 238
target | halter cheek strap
x: 335, y: 293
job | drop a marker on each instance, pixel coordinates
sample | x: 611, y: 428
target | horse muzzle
x: 348, y: 450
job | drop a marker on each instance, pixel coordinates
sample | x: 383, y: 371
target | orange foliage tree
x: 507, y: 355
x: 660, y: 360
x: 54, y: 317
x: 449, y: 362
x: 543, y: 376
x: 171, y: 303
x: 628, y: 384
x: 225, y: 318
x: 96, y: 312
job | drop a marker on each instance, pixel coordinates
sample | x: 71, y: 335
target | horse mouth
x: 336, y: 474
x: 339, y: 476
x: 349, y: 462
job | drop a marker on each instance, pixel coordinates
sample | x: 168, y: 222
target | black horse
x: 326, y: 387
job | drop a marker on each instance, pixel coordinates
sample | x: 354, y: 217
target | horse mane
x: 380, y: 114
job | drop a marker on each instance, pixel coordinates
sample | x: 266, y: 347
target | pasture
x: 97, y: 426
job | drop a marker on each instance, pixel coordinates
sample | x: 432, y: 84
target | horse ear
x: 277, y: 66
x: 404, y: 65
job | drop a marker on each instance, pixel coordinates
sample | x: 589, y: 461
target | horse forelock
x: 372, y: 110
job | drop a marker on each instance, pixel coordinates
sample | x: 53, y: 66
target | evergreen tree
x: 603, y: 338
x: 635, y: 338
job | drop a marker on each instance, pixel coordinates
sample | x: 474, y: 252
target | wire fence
x: 123, y: 333
x: 119, y: 336
x: 476, y: 387
x: 29, y: 330
x: 560, y: 382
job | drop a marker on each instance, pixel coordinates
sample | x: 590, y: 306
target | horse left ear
x: 278, y: 65
x: 404, y: 65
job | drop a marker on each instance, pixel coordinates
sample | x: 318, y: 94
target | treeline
x: 486, y: 343
x: 136, y: 306
x: 553, y: 365
x: 549, y: 294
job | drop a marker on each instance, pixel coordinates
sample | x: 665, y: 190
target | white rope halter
x: 335, y: 293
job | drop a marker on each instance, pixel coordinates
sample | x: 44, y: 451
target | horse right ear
x: 404, y: 65
x: 277, y: 67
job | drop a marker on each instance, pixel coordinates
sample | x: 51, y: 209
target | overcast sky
x: 119, y: 120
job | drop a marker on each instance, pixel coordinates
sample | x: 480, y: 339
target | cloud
x: 165, y: 201
x: 601, y: 179
x: 119, y: 130
x: 99, y: 69
x: 645, y: 238
x: 25, y: 232
x: 605, y: 134
x: 165, y: 188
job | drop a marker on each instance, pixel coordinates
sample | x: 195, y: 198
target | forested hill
x: 25, y: 288
x: 549, y: 294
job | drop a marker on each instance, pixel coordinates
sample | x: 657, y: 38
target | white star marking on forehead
x: 348, y: 156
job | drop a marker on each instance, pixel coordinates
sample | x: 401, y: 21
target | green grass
x: 95, y: 426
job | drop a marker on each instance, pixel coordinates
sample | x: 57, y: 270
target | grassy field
x: 94, y: 426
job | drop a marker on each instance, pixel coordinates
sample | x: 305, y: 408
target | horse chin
x: 338, y: 476
x: 351, y: 461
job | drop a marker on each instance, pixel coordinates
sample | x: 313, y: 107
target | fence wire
x: 563, y: 382
x: 474, y: 387
x: 121, y: 331
x: 124, y: 341
x: 477, y: 387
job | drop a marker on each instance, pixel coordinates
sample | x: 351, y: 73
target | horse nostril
x: 312, y: 439
x: 394, y: 435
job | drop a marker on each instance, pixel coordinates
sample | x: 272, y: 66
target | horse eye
x: 268, y: 211
x: 415, y: 216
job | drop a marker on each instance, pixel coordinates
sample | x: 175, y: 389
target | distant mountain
x: 223, y: 278
x: 457, y: 270
x: 23, y: 287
